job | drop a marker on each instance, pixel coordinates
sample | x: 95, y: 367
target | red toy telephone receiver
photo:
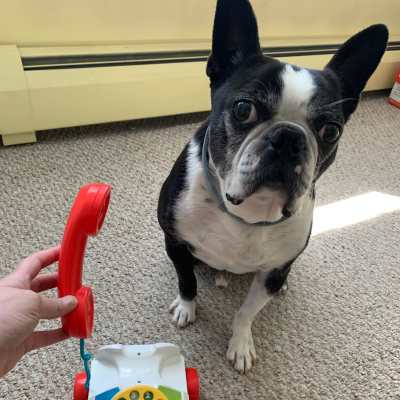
x: 85, y: 219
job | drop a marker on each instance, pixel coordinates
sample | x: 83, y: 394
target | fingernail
x: 69, y: 301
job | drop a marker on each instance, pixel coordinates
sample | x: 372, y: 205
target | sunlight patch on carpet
x: 352, y: 211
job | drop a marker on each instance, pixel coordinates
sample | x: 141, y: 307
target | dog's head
x: 275, y: 127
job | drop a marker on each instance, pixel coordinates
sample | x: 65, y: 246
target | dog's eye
x: 330, y: 133
x: 245, y: 111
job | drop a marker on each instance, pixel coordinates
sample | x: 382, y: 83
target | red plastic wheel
x: 193, y: 383
x: 80, y: 392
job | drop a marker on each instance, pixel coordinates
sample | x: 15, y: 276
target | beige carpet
x: 336, y: 333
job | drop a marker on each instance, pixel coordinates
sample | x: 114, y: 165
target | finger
x: 44, y: 282
x: 55, y: 308
x: 32, y: 265
x: 44, y: 338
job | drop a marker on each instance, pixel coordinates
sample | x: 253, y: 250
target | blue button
x: 108, y: 395
x: 148, y: 396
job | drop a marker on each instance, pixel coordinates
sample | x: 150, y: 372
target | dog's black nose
x: 289, y: 141
x: 233, y: 200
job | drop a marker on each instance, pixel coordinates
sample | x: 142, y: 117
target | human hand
x: 22, y: 307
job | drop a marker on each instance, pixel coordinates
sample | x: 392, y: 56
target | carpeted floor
x: 334, y: 335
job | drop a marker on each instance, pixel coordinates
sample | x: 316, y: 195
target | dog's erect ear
x: 358, y: 58
x: 235, y: 38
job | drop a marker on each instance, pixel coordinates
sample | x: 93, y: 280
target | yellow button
x: 140, y: 392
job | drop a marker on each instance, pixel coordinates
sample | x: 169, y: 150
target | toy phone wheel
x: 193, y: 383
x: 80, y: 391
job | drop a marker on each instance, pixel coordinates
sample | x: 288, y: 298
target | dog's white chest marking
x: 227, y: 244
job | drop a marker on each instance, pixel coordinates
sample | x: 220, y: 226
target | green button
x: 148, y: 396
x: 171, y: 394
x: 134, y: 395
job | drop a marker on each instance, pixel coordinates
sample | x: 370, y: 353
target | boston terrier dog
x: 240, y: 197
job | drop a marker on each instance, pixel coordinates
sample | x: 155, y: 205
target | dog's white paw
x: 283, y: 290
x: 241, y: 351
x: 221, y: 280
x: 183, y: 311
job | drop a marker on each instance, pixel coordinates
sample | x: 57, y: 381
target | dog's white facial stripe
x: 298, y: 87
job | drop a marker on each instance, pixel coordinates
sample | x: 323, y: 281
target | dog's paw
x: 183, y: 311
x: 241, y: 352
x: 283, y: 290
x: 221, y: 279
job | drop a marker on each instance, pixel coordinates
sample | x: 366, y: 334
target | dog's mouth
x: 266, y: 204
x: 261, y: 196
x: 240, y: 190
x: 272, y: 200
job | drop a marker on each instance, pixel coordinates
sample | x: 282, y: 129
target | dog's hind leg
x: 183, y: 308
x: 221, y: 279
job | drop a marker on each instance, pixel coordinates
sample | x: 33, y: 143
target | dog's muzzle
x: 212, y: 185
x: 286, y: 144
x: 276, y: 158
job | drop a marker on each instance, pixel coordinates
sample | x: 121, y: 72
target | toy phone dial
x: 85, y: 219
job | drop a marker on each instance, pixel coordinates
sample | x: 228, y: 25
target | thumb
x: 55, y: 308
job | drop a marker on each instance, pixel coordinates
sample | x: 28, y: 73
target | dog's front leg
x: 241, y: 351
x: 183, y: 308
